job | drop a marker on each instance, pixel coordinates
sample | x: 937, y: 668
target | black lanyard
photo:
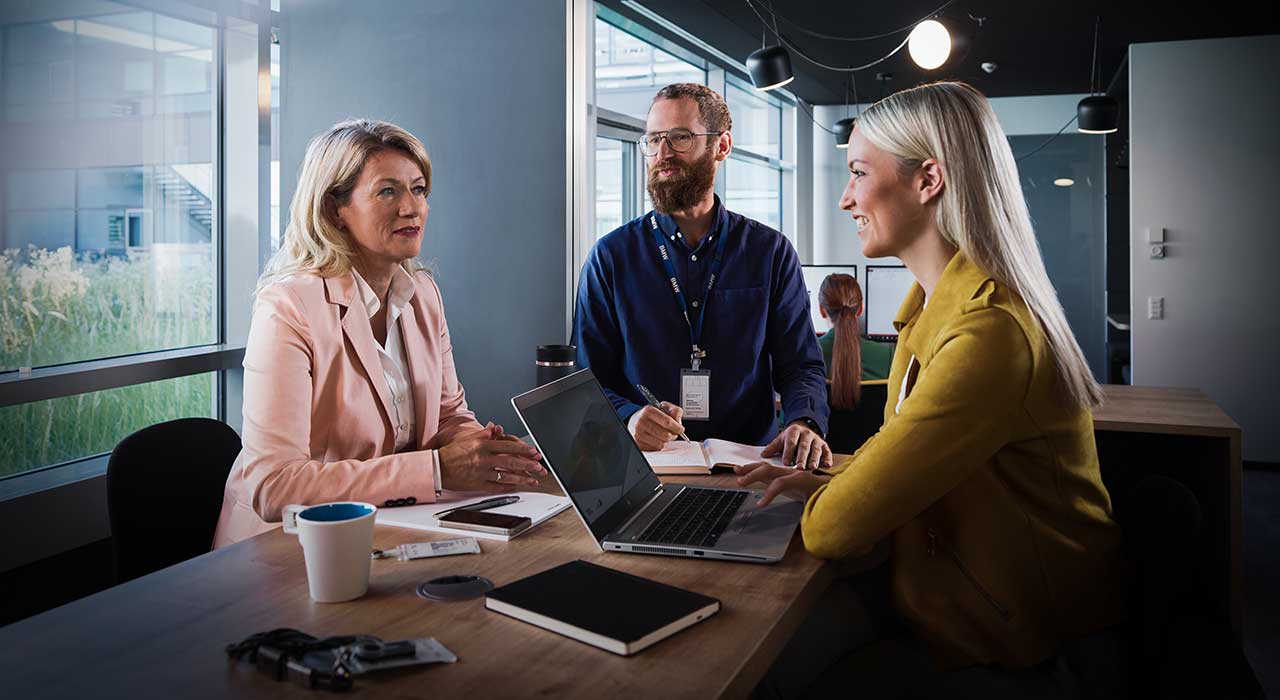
x: 695, y: 333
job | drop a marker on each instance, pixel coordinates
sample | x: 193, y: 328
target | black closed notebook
x: 616, y: 611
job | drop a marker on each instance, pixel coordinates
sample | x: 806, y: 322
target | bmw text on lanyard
x: 697, y: 355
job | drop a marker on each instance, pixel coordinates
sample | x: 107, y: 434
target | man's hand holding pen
x: 653, y: 427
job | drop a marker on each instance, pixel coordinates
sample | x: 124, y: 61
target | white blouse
x: 395, y: 365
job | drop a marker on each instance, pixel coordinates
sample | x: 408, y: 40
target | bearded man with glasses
x: 705, y: 307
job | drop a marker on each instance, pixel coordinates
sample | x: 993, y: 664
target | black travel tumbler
x: 556, y: 361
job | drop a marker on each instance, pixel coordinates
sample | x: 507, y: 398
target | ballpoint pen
x: 653, y: 401
x: 486, y: 504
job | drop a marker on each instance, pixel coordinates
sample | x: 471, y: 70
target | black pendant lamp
x: 1097, y: 114
x: 770, y: 68
x: 844, y: 129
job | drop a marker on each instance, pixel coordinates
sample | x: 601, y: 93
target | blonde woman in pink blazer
x: 350, y: 391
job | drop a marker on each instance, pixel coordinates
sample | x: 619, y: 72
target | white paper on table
x: 538, y: 507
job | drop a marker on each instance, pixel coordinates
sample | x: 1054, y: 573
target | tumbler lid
x: 557, y: 353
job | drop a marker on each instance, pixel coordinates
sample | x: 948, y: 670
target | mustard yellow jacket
x: 1002, y: 539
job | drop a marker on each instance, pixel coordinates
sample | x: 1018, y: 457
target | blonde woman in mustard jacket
x: 984, y: 478
x: 350, y: 391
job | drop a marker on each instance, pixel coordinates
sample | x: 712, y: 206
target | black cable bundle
x: 280, y: 654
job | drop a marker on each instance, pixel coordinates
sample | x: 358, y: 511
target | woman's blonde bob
x: 313, y: 242
x: 982, y: 211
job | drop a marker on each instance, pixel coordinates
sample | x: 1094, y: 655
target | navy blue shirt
x: 758, y: 335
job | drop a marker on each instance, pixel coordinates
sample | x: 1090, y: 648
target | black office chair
x: 164, y: 492
x: 847, y: 430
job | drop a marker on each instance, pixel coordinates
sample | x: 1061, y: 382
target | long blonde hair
x: 313, y: 243
x: 982, y: 211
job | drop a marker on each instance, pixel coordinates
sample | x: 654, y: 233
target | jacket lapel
x: 415, y: 353
x: 355, y: 326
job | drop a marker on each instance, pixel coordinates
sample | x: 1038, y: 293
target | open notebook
x: 680, y: 457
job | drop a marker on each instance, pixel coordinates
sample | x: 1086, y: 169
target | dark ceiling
x: 1039, y: 47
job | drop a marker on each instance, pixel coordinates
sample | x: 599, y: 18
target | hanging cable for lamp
x: 785, y: 42
x: 1039, y: 148
x: 839, y: 69
x: 829, y: 37
x: 813, y: 118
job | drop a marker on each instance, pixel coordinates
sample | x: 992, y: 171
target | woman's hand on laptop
x: 796, y: 483
x: 653, y: 429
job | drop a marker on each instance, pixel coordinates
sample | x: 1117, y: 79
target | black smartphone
x: 484, y: 521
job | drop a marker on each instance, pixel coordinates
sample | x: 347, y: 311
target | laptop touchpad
x: 759, y: 521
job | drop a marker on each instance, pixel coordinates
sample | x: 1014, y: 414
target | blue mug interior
x: 335, y: 512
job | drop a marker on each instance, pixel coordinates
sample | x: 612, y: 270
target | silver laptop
x: 620, y: 499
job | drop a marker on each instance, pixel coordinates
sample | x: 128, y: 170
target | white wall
x: 1203, y: 146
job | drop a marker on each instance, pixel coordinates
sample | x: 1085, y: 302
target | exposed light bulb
x: 929, y: 44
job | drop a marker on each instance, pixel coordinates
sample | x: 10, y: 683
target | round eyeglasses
x: 680, y: 140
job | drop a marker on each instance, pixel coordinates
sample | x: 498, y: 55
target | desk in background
x: 1184, y: 435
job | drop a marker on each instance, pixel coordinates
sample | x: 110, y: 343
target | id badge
x: 695, y: 394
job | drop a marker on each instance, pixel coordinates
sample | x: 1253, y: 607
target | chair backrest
x: 164, y: 492
x: 847, y: 430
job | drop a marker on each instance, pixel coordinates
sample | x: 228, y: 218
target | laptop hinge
x: 656, y: 493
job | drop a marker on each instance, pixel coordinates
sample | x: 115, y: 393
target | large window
x: 629, y: 70
x: 754, y: 189
x: 610, y: 178
x: 53, y: 431
x: 113, y: 251
x: 754, y: 171
x: 757, y: 120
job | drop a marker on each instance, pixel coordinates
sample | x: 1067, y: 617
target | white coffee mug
x: 337, y: 539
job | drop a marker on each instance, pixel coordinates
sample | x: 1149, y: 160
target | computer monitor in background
x: 813, y: 276
x: 887, y: 286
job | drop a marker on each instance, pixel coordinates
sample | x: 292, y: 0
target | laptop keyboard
x: 696, y: 517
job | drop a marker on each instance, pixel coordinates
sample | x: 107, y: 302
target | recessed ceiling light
x: 1064, y: 182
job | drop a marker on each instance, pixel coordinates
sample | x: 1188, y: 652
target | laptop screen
x: 589, y: 449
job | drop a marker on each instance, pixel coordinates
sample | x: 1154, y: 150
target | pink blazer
x: 317, y: 419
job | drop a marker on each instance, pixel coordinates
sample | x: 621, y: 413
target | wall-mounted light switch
x: 1155, y: 234
x: 1155, y: 308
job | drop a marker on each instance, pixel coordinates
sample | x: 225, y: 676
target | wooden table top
x: 163, y: 635
x: 1143, y: 409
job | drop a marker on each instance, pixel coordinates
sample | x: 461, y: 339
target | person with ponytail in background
x: 851, y: 359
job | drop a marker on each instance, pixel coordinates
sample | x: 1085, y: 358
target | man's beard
x: 684, y: 188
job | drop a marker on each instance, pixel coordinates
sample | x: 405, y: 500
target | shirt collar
x: 718, y: 216
x: 401, y: 291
